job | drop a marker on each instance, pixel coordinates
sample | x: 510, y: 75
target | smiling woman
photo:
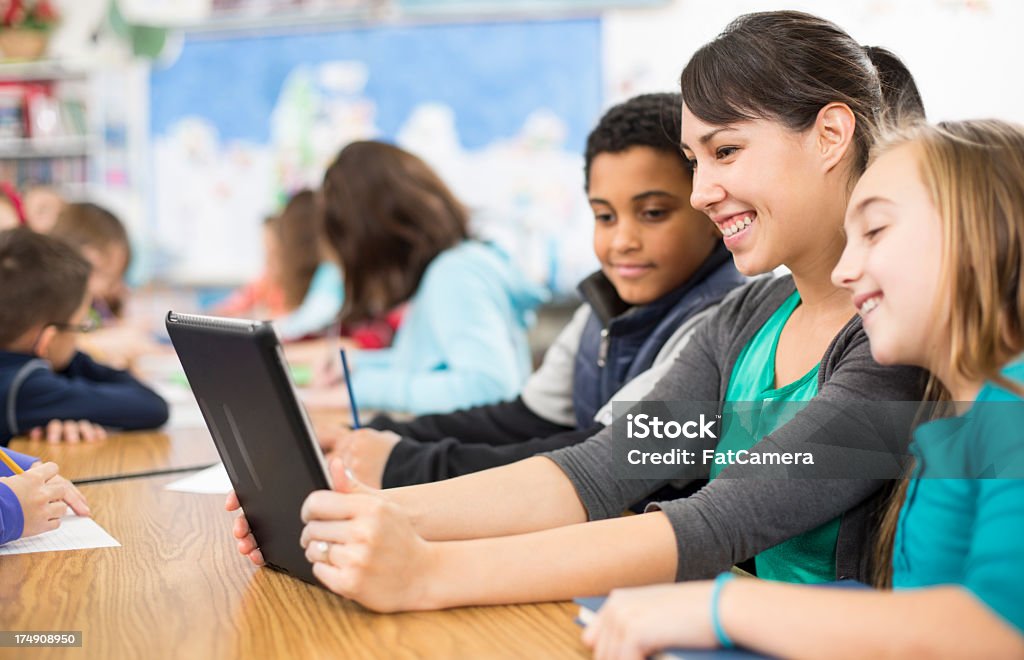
x: 750, y: 104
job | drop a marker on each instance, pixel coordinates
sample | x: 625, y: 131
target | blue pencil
x: 348, y: 386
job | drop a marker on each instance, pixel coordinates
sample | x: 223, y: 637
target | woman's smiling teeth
x: 869, y: 305
x: 737, y: 226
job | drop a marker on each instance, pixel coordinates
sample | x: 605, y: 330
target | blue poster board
x: 515, y: 99
x: 492, y: 74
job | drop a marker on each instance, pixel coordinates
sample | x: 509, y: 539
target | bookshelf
x: 82, y: 128
x: 47, y: 133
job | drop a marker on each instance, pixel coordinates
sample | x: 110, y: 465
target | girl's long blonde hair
x: 974, y: 173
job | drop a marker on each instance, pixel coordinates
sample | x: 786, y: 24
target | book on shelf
x: 12, y: 114
x: 73, y: 114
x: 40, y: 111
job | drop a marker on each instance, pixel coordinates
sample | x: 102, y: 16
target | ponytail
x: 901, y: 100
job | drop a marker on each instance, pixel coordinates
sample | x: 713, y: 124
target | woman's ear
x: 42, y: 346
x: 834, y: 132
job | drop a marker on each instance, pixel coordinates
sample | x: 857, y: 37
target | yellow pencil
x: 9, y: 462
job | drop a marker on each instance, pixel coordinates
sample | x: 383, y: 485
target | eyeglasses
x: 91, y: 324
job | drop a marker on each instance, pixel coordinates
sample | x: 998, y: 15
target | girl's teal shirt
x: 755, y: 408
x: 963, y: 520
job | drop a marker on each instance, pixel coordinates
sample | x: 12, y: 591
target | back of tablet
x: 239, y: 376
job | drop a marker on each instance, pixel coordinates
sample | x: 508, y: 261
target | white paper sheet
x: 211, y: 481
x: 74, y: 533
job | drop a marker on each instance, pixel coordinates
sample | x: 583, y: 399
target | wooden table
x: 178, y: 589
x: 125, y: 454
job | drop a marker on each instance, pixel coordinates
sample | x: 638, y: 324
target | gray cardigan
x: 731, y: 520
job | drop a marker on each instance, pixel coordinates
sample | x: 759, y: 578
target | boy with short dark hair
x: 43, y: 377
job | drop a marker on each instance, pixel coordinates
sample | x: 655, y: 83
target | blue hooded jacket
x: 463, y: 340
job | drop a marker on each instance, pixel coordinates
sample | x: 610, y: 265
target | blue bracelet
x: 716, y: 624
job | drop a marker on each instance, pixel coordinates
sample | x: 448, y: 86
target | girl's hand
x: 365, y: 452
x: 69, y: 431
x: 41, y: 494
x: 241, y: 530
x: 634, y: 623
x: 364, y: 547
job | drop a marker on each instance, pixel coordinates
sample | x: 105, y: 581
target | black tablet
x: 239, y: 375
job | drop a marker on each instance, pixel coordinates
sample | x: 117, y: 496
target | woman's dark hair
x: 648, y: 120
x: 786, y: 66
x: 298, y: 233
x: 901, y: 100
x: 386, y: 215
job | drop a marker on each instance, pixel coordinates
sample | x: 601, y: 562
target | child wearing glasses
x: 44, y: 304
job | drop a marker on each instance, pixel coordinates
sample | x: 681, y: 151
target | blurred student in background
x: 400, y: 236
x: 301, y: 287
x: 43, y: 205
x: 44, y: 308
x: 38, y: 207
x: 101, y: 238
x: 263, y: 297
